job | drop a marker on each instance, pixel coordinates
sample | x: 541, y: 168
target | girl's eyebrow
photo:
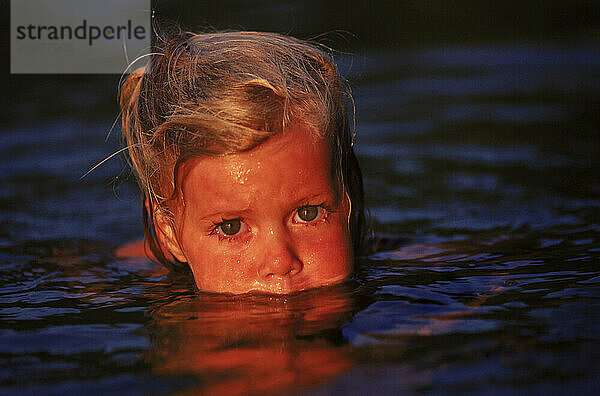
x: 320, y: 196
x: 226, y: 213
x: 233, y: 213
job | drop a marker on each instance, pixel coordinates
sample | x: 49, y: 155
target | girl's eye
x: 229, y: 228
x: 307, y: 214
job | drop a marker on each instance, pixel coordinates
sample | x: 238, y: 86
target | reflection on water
x: 252, y: 344
x: 481, y: 167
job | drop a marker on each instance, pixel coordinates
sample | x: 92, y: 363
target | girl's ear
x: 167, y: 236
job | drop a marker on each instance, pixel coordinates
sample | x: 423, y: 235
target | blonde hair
x: 227, y: 92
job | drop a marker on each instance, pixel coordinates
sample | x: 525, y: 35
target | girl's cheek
x: 234, y: 264
x: 330, y: 243
x: 214, y: 272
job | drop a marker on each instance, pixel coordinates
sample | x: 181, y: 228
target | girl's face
x: 270, y: 219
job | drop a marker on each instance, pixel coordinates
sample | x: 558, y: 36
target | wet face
x: 269, y: 220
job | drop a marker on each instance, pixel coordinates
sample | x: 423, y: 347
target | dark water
x: 482, y: 158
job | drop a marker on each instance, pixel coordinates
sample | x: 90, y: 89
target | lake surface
x: 482, y: 171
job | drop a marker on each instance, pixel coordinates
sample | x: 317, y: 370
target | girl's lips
x: 292, y: 284
x: 282, y: 285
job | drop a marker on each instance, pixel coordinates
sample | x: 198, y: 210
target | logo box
x: 79, y: 36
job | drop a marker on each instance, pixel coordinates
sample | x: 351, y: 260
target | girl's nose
x: 280, y: 258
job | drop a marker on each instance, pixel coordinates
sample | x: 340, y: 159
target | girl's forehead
x: 293, y: 158
x: 278, y: 151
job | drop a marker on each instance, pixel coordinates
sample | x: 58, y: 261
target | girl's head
x: 242, y: 147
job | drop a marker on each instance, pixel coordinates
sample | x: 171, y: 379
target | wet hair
x: 227, y: 92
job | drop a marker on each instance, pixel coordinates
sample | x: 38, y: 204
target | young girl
x: 242, y: 148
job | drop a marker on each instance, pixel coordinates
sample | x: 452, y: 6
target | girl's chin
x: 276, y: 286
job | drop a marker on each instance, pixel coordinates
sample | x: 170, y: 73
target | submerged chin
x: 278, y: 286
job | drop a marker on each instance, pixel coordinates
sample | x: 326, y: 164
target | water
x: 481, y: 168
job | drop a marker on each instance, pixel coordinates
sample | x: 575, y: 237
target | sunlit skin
x: 269, y: 220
